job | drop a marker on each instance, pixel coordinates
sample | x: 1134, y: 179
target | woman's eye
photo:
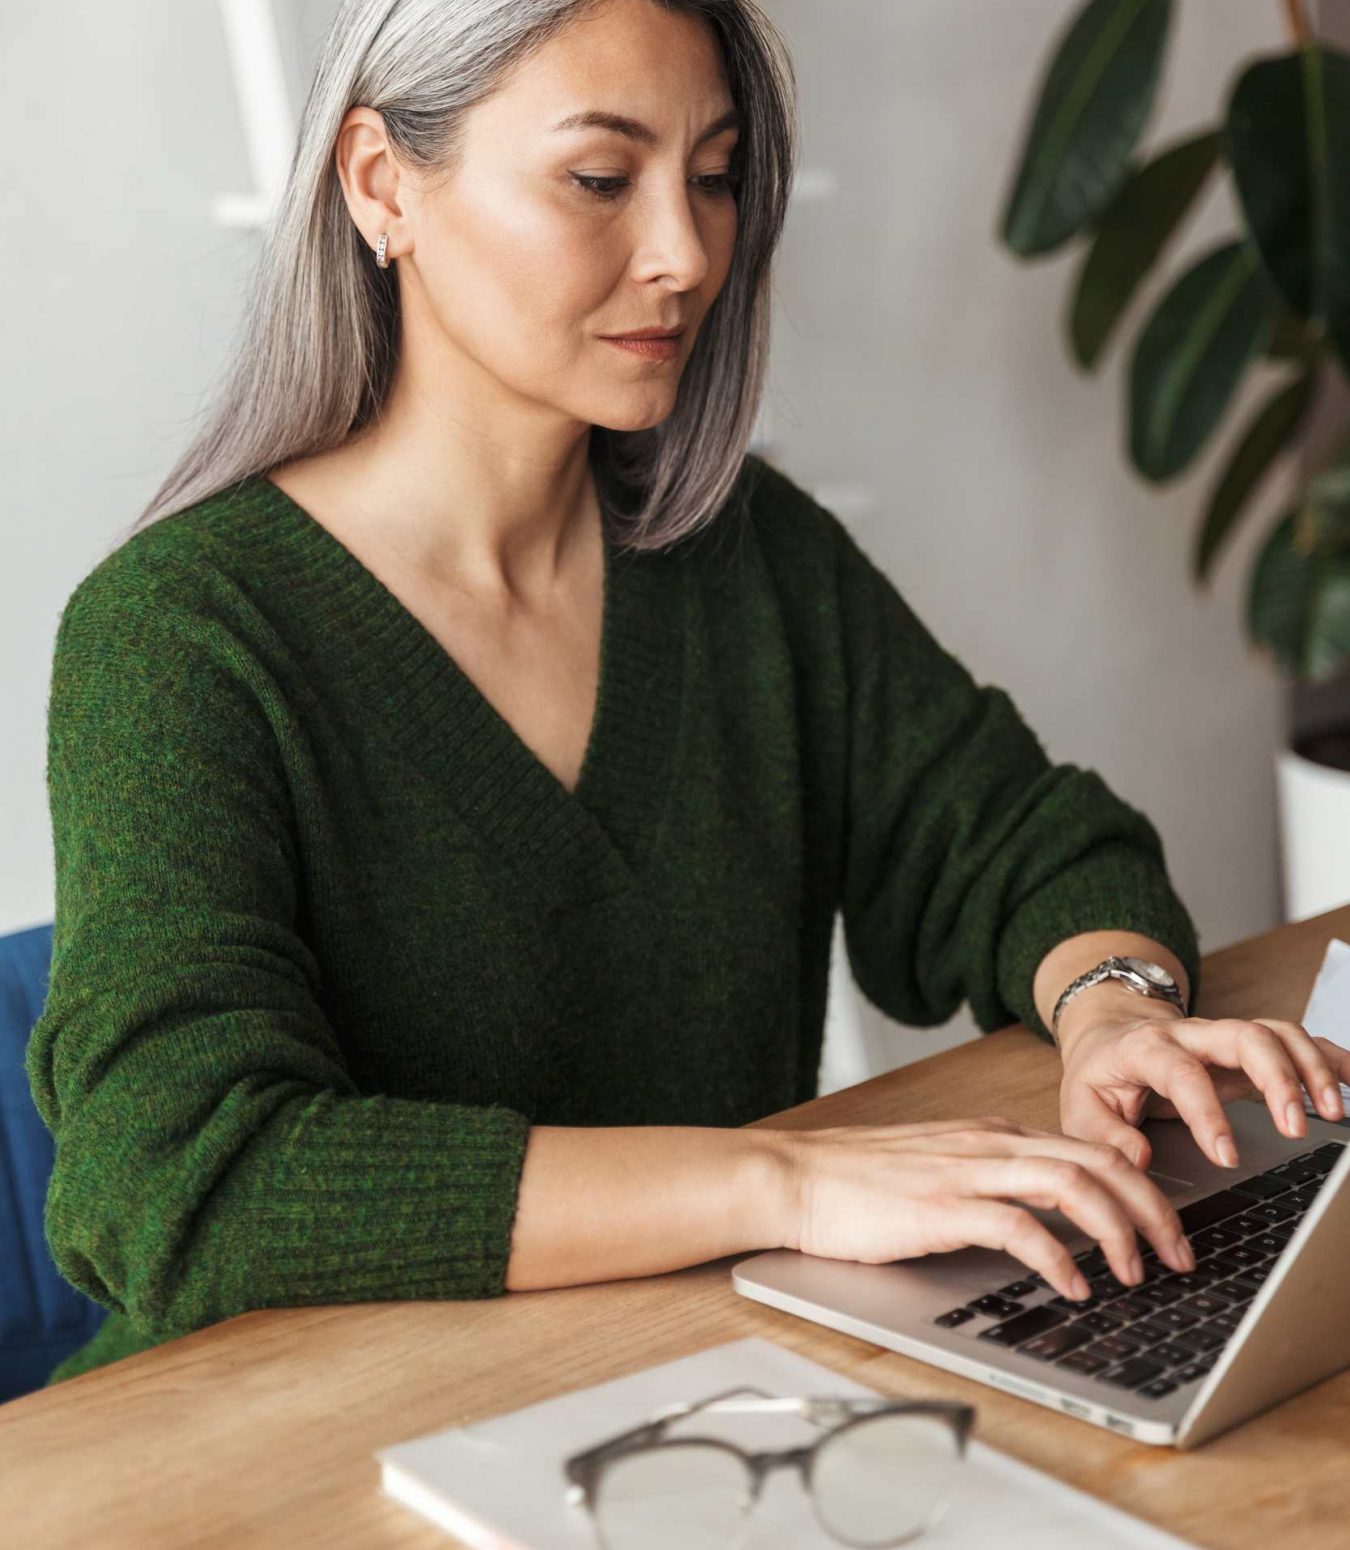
x: 610, y: 188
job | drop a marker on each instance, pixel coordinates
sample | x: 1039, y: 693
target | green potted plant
x: 1275, y: 295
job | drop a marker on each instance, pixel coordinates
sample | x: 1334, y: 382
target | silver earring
x: 380, y: 249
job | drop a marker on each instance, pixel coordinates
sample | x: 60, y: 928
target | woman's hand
x: 875, y: 1193
x: 1120, y: 1069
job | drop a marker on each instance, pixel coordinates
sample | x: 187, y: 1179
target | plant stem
x: 1298, y: 23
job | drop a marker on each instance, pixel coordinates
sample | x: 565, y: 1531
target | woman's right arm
x: 605, y: 1204
x: 213, y: 1152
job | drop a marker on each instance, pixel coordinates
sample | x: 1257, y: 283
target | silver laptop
x: 1174, y: 1360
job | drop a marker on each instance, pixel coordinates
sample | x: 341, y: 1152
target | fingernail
x: 1227, y: 1151
x: 1294, y: 1119
x: 1333, y: 1103
x: 1184, y: 1252
x: 1080, y: 1287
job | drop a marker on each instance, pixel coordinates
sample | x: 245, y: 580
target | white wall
x: 913, y: 357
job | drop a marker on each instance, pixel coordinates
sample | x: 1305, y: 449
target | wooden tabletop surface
x: 262, y: 1430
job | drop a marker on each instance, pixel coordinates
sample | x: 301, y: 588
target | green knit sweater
x: 329, y: 937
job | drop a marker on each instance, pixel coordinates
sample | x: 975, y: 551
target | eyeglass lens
x: 885, y: 1479
x: 877, y: 1482
x: 674, y: 1496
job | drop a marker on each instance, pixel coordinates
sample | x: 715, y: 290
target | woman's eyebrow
x: 596, y: 118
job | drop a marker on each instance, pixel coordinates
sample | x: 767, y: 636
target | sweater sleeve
x: 969, y: 855
x: 213, y: 1154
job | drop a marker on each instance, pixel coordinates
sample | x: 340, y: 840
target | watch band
x: 1140, y: 974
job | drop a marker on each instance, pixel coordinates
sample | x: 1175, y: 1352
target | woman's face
x: 521, y: 268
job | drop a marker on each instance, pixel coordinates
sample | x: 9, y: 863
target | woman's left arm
x: 1127, y: 1058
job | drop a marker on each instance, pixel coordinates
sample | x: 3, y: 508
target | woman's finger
x: 1260, y: 1052
x: 1083, y: 1112
x: 1146, y: 1205
x: 1322, y: 1065
x: 959, y: 1220
x: 1155, y: 1058
x: 1058, y: 1184
x: 1126, y: 1192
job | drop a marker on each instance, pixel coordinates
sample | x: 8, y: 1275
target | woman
x: 454, y: 784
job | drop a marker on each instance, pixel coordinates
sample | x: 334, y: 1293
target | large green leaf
x: 1326, y: 506
x: 1289, y: 143
x: 1191, y: 355
x: 1298, y: 604
x: 1132, y: 233
x: 1271, y: 429
x: 1093, y: 103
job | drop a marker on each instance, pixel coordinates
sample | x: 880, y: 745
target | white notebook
x: 1328, y: 1011
x: 498, y: 1484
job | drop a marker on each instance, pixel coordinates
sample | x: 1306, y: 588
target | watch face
x: 1151, y: 971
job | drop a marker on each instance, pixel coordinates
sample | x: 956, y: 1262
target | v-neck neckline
x: 593, y: 839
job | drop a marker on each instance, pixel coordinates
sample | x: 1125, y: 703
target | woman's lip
x: 656, y: 347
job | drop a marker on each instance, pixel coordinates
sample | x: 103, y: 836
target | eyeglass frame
x: 583, y: 1469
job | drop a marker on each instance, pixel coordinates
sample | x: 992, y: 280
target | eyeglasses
x: 883, y: 1471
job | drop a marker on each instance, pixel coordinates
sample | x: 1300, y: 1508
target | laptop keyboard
x: 1171, y: 1328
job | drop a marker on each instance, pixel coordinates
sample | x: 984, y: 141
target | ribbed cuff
x: 337, y: 1199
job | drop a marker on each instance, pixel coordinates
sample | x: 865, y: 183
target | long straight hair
x: 320, y: 332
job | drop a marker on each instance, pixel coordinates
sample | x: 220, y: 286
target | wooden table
x: 261, y: 1430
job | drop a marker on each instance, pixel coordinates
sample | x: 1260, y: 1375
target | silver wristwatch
x: 1140, y: 974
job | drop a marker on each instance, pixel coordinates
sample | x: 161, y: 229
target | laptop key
x: 1175, y: 1318
x: 1248, y: 1223
x: 1098, y: 1323
x: 1127, y: 1308
x: 1084, y: 1362
x: 1249, y: 1282
x: 1058, y: 1342
x: 1272, y: 1211
x: 1023, y: 1326
x: 1261, y: 1188
x: 1207, y: 1339
x: 1210, y: 1209
x: 1105, y: 1283
x: 1114, y: 1347
x: 1192, y: 1280
x: 1246, y: 1254
x: 1216, y: 1238
x: 1159, y: 1296
x: 1158, y: 1388
x: 1150, y: 1332
x: 1130, y: 1374
x: 1170, y: 1354
x: 955, y: 1317
x: 1224, y: 1267
x: 1206, y: 1303
x: 1016, y: 1289
x: 995, y: 1306
x: 1193, y: 1371
x: 1268, y: 1243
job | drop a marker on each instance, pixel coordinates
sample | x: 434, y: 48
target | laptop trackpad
x: 1170, y: 1185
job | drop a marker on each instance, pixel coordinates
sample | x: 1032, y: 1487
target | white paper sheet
x: 498, y: 1484
x: 1327, y: 1014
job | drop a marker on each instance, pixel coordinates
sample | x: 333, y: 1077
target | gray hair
x: 320, y: 331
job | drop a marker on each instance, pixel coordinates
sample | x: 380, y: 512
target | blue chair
x: 43, y: 1318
